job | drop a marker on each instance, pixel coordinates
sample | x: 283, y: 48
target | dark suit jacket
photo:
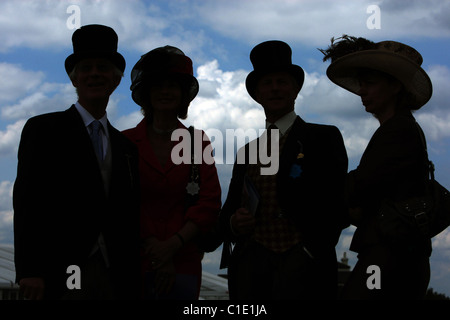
x: 60, y: 206
x: 392, y: 167
x: 314, y: 201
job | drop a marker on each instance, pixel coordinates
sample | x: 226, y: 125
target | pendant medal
x: 192, y: 188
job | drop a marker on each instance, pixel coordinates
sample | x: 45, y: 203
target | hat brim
x: 138, y: 90
x: 116, y: 58
x: 344, y: 73
x: 253, y: 77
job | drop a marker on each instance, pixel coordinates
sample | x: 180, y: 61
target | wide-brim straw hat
x: 272, y: 56
x: 394, y: 58
x: 159, y: 63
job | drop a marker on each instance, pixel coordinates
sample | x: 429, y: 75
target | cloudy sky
x: 218, y: 36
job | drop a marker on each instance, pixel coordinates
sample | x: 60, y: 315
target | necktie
x: 96, y: 137
x: 270, y: 128
x: 269, y: 137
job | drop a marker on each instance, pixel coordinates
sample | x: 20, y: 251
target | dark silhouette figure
x: 391, y: 83
x: 76, y: 192
x: 285, y: 223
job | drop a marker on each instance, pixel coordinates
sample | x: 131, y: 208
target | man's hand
x: 242, y: 222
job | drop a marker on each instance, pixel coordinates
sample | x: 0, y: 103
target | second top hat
x: 272, y: 56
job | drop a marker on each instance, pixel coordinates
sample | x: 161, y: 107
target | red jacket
x: 163, y: 194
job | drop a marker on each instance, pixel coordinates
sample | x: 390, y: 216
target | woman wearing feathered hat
x: 164, y: 86
x: 391, y: 83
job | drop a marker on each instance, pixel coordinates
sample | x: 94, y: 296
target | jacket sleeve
x: 28, y: 202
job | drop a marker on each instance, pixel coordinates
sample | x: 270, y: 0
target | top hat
x: 391, y: 57
x: 271, y: 56
x: 159, y: 63
x: 94, y: 41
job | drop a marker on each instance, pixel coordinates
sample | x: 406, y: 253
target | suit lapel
x: 78, y: 139
x: 79, y: 135
x: 293, y: 146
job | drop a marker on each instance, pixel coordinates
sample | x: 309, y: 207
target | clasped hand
x: 161, y: 255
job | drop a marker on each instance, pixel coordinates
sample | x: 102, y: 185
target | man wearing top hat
x: 76, y: 218
x: 286, y: 250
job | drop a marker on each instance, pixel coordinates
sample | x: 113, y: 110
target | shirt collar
x: 284, y: 123
x: 88, y: 118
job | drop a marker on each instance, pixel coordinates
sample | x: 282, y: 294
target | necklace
x: 162, y: 132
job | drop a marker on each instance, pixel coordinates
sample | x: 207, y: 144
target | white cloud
x: 128, y: 121
x: 225, y: 103
x: 16, y: 82
x: 142, y: 25
x: 6, y: 212
x: 436, y: 127
x: 439, y: 75
x: 9, y: 139
x: 35, y: 24
x: 48, y: 97
x: 434, y: 117
x: 311, y: 22
x: 442, y: 241
x: 6, y: 188
x: 440, y: 267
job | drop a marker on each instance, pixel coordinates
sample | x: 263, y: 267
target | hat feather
x: 345, y: 45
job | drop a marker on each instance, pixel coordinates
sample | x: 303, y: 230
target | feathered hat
x: 350, y: 54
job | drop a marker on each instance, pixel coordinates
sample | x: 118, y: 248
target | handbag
x: 419, y: 217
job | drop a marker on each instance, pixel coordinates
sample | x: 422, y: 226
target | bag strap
x: 194, y: 173
x: 193, y: 185
x: 429, y: 164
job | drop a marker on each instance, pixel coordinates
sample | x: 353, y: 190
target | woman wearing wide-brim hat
x: 163, y: 85
x: 392, y: 84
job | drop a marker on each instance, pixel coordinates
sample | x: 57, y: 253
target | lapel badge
x: 296, y: 171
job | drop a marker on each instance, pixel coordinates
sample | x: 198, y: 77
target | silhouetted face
x: 165, y: 95
x: 95, y: 79
x: 378, y: 92
x: 277, y: 92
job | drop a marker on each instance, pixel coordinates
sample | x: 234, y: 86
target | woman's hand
x: 161, y: 252
x: 165, y: 278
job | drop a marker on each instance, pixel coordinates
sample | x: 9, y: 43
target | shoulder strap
x: 194, y: 173
x: 429, y: 164
x: 191, y: 131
